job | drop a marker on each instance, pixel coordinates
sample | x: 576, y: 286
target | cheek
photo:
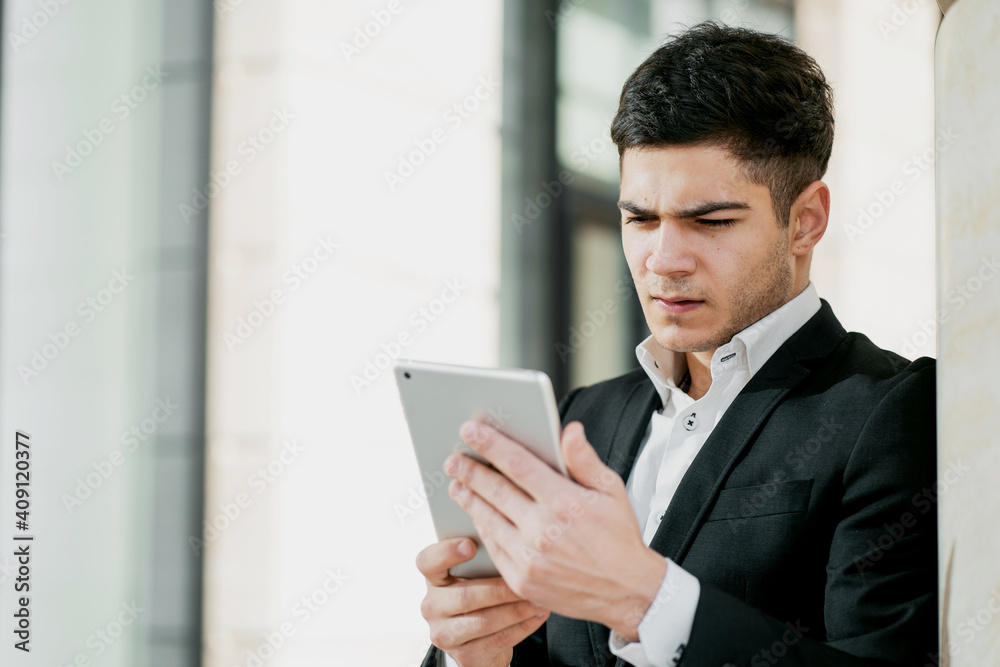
x: 635, y: 251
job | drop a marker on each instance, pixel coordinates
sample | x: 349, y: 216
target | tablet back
x: 437, y: 398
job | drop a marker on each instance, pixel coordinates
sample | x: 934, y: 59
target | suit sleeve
x: 532, y: 650
x: 880, y: 604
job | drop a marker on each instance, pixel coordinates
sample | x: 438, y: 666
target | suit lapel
x: 702, y: 481
x: 739, y: 425
x: 734, y: 433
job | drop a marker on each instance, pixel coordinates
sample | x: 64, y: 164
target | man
x: 760, y: 491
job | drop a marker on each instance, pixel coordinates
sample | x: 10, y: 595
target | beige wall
x: 877, y: 269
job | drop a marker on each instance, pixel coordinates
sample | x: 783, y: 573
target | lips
x: 673, y: 298
x: 676, y: 304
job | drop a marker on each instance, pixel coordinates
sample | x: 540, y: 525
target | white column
x: 968, y: 201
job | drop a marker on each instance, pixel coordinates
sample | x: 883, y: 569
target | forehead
x: 670, y: 177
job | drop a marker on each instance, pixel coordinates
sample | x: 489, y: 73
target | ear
x: 808, y: 218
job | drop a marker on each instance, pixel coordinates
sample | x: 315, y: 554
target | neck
x: 700, y: 368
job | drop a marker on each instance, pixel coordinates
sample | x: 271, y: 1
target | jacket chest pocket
x: 745, y: 502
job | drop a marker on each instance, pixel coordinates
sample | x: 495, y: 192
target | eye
x: 638, y: 219
x: 716, y: 223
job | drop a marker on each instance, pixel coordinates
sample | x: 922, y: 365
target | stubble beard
x: 764, y: 289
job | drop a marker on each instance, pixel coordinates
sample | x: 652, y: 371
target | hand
x: 475, y: 621
x: 569, y: 545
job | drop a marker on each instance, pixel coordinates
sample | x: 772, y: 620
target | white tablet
x: 437, y: 398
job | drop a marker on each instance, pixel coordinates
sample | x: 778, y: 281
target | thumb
x: 582, y: 462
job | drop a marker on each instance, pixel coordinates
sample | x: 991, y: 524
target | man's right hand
x: 475, y: 621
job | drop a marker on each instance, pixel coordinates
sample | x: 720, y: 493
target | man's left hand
x: 569, y: 545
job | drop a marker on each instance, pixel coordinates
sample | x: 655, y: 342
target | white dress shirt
x: 673, y: 437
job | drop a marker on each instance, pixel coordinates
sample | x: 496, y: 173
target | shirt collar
x: 755, y: 344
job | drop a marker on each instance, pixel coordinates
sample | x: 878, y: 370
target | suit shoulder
x: 619, y: 385
x: 606, y: 393
x: 871, y: 370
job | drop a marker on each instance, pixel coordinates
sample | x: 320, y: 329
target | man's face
x: 699, y: 281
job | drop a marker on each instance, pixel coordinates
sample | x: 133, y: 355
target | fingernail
x: 464, y: 548
x: 469, y: 431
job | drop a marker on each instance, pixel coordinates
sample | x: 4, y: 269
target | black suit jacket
x: 808, y: 516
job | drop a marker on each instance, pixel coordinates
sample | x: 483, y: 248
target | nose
x: 671, y: 254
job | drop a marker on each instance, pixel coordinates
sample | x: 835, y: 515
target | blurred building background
x: 292, y: 194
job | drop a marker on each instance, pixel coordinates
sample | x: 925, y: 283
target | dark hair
x: 755, y: 94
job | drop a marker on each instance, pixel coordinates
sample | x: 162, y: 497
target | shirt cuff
x: 450, y: 661
x: 665, y: 629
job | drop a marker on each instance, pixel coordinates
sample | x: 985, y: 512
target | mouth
x: 676, y: 305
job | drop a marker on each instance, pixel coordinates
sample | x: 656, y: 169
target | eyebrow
x: 696, y: 210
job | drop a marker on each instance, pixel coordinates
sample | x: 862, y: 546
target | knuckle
x: 439, y: 636
x: 518, y: 466
x: 426, y: 608
x: 542, y: 542
x: 421, y: 562
x: 516, y: 584
x: 525, y: 610
x: 464, y: 598
x: 501, y: 493
x: 499, y: 591
x: 499, y: 640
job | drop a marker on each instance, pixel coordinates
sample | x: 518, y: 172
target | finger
x: 514, y: 460
x: 497, y: 490
x: 435, y: 560
x: 506, y: 638
x: 462, y: 629
x: 492, y: 526
x: 473, y: 594
x: 582, y: 461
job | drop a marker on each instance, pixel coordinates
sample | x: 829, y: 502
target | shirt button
x: 691, y: 421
